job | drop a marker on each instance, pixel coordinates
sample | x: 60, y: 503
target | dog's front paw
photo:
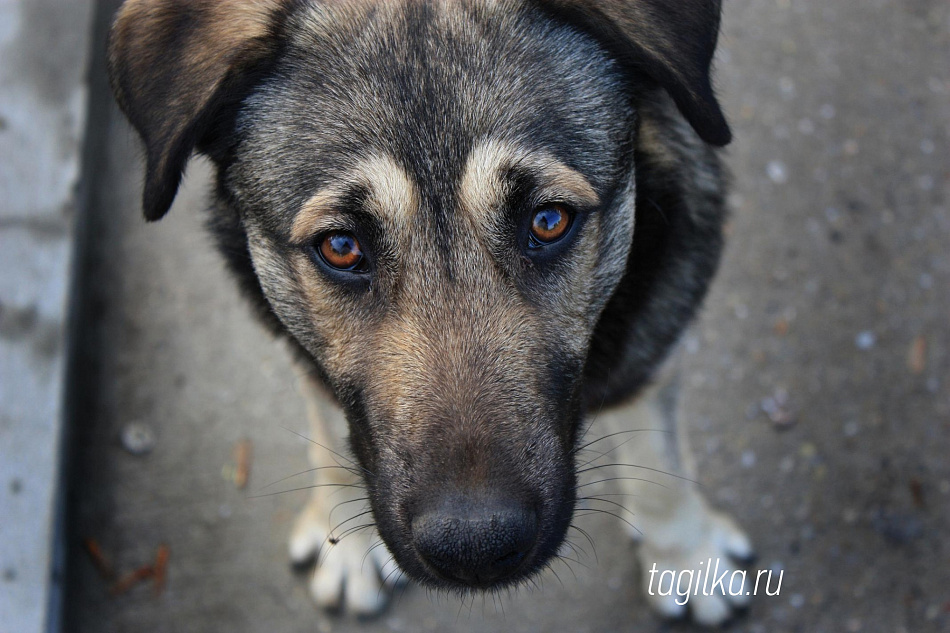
x: 354, y: 570
x: 697, y: 576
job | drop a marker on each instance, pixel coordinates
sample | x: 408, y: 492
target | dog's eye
x: 342, y: 251
x: 549, y: 224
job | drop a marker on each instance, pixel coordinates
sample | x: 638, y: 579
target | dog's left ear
x: 672, y: 41
x: 174, y: 65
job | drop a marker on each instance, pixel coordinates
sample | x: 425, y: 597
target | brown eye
x: 341, y: 250
x: 549, y: 224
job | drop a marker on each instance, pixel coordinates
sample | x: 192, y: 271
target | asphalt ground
x: 817, y: 377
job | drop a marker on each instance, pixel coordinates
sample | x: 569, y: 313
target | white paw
x: 354, y: 570
x: 682, y: 579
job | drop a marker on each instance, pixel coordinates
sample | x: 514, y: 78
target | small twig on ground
x: 99, y: 560
x: 161, y: 567
x: 131, y: 579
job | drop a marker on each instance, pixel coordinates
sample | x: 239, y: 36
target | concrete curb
x: 45, y: 45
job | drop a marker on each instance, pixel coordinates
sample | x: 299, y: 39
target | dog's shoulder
x: 680, y: 191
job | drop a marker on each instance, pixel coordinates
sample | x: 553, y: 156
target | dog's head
x: 438, y: 199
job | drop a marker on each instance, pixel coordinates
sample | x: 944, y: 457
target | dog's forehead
x: 415, y: 91
x: 424, y: 80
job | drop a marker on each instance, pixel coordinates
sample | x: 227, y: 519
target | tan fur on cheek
x: 329, y: 322
x: 312, y: 310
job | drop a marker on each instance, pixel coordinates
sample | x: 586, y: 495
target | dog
x: 480, y: 224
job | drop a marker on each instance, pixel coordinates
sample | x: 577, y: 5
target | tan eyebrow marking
x: 393, y: 196
x: 482, y: 187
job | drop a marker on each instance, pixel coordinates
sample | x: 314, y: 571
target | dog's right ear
x: 174, y: 64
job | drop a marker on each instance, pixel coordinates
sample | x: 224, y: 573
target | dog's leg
x: 678, y: 529
x: 352, y: 563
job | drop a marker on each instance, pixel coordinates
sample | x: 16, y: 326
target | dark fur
x: 464, y: 365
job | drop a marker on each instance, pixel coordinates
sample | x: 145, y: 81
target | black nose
x: 475, y: 542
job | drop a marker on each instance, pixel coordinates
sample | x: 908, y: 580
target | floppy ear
x: 173, y: 65
x: 671, y: 41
